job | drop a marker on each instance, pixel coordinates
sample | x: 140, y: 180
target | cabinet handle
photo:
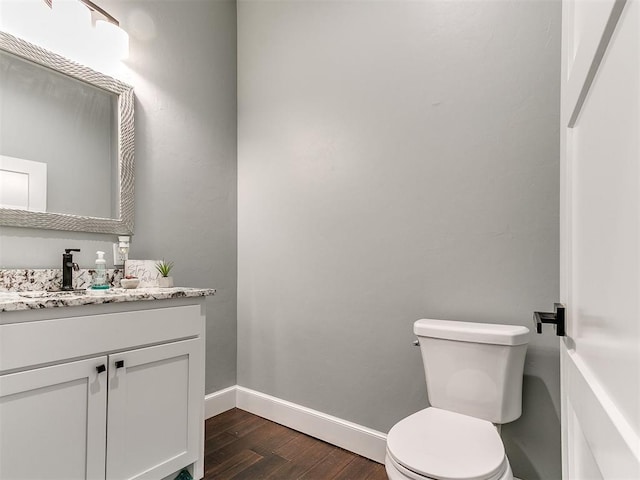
x: 101, y: 368
x: 120, y: 364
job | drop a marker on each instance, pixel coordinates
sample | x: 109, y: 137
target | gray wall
x: 397, y: 160
x: 183, y: 64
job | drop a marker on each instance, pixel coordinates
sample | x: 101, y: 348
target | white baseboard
x: 342, y: 433
x: 218, y: 402
x: 350, y: 436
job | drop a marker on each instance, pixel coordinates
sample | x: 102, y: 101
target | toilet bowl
x: 474, y: 380
x: 435, y: 444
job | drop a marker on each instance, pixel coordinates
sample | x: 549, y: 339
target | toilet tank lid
x: 472, y: 332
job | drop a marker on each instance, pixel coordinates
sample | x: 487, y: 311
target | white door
x: 53, y: 422
x: 600, y: 239
x: 155, y: 410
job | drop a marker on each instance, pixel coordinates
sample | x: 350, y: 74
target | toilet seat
x: 398, y: 472
x: 441, y: 445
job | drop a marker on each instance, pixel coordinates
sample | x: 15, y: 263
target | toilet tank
x: 474, y: 368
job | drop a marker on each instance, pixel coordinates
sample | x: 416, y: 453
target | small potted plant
x: 164, y: 268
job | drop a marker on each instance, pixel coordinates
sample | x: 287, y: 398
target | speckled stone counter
x: 35, y: 289
x: 16, y: 301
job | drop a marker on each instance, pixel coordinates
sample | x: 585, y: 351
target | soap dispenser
x: 100, y: 277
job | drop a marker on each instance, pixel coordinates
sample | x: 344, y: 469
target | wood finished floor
x: 243, y: 446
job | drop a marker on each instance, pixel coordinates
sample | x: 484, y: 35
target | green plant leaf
x: 164, y: 267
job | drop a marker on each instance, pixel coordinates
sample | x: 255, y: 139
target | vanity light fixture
x: 121, y: 250
x: 79, y: 30
x: 95, y: 8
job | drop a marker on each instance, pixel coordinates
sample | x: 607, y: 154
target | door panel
x: 606, y: 238
x: 53, y: 423
x: 600, y: 253
x: 601, y: 438
x: 588, y: 27
x: 154, y: 420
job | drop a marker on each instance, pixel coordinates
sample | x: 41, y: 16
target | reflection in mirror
x: 23, y: 184
x: 66, y: 143
x: 67, y: 126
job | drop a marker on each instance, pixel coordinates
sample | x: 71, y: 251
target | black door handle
x: 101, y: 368
x: 120, y: 364
x: 557, y: 318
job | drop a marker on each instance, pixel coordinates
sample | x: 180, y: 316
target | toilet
x: 474, y: 382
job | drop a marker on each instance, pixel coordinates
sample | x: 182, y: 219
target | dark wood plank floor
x: 242, y: 446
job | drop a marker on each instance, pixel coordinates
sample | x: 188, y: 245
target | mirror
x: 66, y: 143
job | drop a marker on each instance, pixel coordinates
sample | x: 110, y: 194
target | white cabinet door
x: 600, y: 241
x: 52, y: 422
x: 155, y: 410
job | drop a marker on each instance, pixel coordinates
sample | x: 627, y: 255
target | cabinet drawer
x: 23, y: 345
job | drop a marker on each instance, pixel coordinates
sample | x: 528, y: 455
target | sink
x: 71, y: 293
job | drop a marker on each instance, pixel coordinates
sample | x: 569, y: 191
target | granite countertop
x: 11, y: 301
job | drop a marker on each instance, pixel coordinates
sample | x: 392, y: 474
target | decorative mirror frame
x: 62, y: 221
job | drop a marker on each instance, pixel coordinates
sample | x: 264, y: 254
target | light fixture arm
x: 94, y: 8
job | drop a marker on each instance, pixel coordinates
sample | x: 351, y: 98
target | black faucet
x: 68, y: 267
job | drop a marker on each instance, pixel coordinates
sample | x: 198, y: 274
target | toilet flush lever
x: 416, y: 343
x: 557, y: 318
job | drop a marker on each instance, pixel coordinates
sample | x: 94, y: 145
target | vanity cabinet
x: 53, y: 422
x: 109, y: 396
x: 154, y: 410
